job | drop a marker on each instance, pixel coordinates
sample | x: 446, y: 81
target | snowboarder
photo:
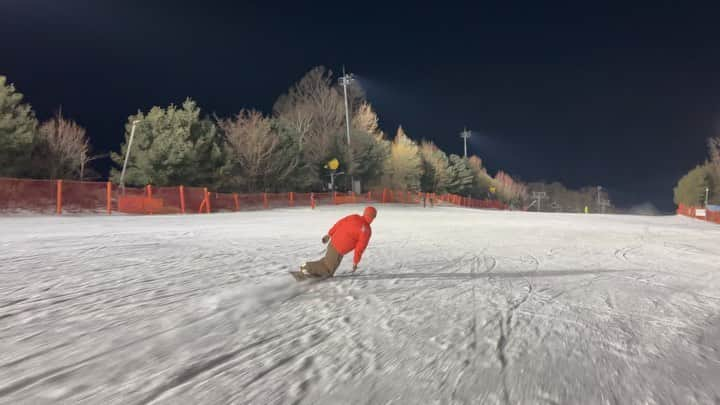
x: 350, y: 233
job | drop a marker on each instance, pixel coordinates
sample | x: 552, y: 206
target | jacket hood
x: 369, y: 214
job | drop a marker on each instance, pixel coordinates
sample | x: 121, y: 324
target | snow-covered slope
x: 450, y: 306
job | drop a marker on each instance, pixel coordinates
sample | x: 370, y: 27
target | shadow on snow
x: 465, y: 276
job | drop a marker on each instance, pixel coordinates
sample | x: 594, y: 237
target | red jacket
x: 351, y: 233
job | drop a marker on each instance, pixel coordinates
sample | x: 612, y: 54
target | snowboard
x: 300, y: 276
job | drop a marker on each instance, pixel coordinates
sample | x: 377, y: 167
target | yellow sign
x: 492, y: 190
x: 333, y: 164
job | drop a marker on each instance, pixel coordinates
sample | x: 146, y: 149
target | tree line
x: 702, y: 182
x: 286, y: 150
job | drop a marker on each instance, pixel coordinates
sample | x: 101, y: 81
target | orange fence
x: 64, y: 196
x: 473, y: 203
x: 695, y: 212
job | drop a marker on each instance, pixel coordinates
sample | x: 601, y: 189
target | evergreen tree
x: 435, y: 166
x: 18, y: 127
x: 369, y: 155
x: 460, y: 175
x: 172, y: 146
x: 482, y: 182
x: 690, y: 190
x: 403, y: 169
x: 370, y: 149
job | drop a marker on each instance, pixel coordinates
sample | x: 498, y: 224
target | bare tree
x: 85, y: 161
x: 314, y: 109
x: 259, y: 155
x: 509, y: 189
x: 66, y: 147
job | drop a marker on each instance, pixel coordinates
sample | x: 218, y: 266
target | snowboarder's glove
x: 325, y: 239
x: 354, y: 268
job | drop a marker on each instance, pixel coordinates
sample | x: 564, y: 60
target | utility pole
x: 707, y: 194
x: 465, y: 134
x: 344, y: 81
x: 127, y: 155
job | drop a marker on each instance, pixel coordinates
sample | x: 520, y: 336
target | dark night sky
x: 622, y: 96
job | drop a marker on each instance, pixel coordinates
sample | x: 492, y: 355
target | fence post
x: 148, y: 194
x: 108, y: 196
x: 353, y: 197
x: 312, y: 200
x: 207, y: 200
x: 182, y: 199
x: 292, y: 199
x: 369, y: 197
x: 334, y: 197
x: 237, y: 201
x: 383, y: 196
x: 265, y: 201
x: 58, y: 203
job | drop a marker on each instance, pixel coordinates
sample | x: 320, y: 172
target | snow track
x: 450, y: 306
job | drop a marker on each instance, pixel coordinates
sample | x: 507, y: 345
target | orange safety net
x: 689, y: 211
x: 19, y: 195
x: 222, y: 202
x: 713, y: 216
x: 47, y: 196
x: 86, y: 196
x: 194, y: 198
x: 251, y: 202
x: 171, y: 198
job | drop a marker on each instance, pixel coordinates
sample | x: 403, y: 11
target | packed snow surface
x: 450, y: 306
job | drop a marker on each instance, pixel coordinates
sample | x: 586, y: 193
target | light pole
x: 465, y: 134
x: 707, y: 193
x: 127, y: 155
x: 344, y: 81
x: 332, y: 179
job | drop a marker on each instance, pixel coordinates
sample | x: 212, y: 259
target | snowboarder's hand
x: 325, y: 239
x: 354, y: 268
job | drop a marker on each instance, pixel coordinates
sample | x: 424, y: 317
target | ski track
x: 450, y: 305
